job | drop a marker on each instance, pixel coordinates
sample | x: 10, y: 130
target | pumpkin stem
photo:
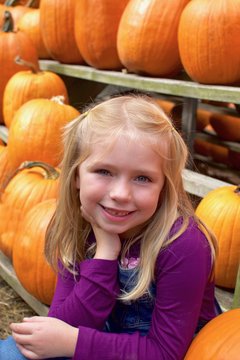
x: 58, y: 99
x: 237, y: 190
x: 10, y: 2
x: 50, y: 171
x: 30, y: 3
x: 7, y: 22
x: 18, y: 60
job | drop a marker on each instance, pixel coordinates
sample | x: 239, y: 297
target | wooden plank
x: 199, y: 184
x: 225, y: 298
x: 176, y: 87
x: 8, y: 274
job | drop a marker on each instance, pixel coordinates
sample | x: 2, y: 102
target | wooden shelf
x: 8, y: 274
x: 175, y: 87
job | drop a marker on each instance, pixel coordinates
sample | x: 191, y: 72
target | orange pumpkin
x: 209, y: 41
x: 57, y: 28
x: 220, y: 211
x: 17, y: 11
x: 96, y: 40
x: 202, y: 119
x: 217, y: 152
x: 29, y: 23
x: 6, y: 167
x: 29, y: 261
x: 13, y: 44
x: 35, y: 3
x: 30, y: 84
x: 234, y: 159
x: 36, y: 131
x: 227, y: 127
x: 218, y: 340
x: 147, y: 36
x: 32, y: 183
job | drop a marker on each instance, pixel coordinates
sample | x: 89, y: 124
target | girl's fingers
x: 34, y: 319
x: 21, y: 339
x: 28, y: 353
x: 21, y: 328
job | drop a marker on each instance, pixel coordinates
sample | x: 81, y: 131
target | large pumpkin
x: 147, y: 36
x: 57, y: 28
x: 218, y: 340
x: 209, y: 41
x: 32, y: 183
x: 36, y: 131
x: 13, y: 44
x: 220, y: 211
x: 29, y: 261
x: 30, y: 84
x: 29, y: 23
x: 96, y: 25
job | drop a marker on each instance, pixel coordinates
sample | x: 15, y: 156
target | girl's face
x: 120, y: 188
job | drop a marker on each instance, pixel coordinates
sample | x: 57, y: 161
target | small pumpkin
x: 217, y: 152
x: 227, y: 127
x: 209, y: 41
x: 17, y: 11
x: 220, y: 211
x: 36, y: 131
x: 13, y: 44
x: 218, y: 340
x: 29, y: 262
x: 147, y: 36
x: 202, y: 119
x: 30, y: 84
x: 31, y: 183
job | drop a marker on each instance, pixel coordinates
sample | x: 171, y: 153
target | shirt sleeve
x: 89, y: 299
x: 182, y: 274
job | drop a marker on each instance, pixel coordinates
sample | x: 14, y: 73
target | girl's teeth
x: 117, y: 213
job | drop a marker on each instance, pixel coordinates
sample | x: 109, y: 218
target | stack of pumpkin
x: 34, y: 108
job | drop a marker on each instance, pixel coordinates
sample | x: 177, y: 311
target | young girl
x: 135, y: 263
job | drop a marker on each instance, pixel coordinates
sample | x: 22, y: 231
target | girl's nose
x: 120, y: 191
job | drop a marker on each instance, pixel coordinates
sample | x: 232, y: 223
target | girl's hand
x: 108, y: 244
x: 44, y: 337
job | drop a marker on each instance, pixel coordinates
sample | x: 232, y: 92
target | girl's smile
x: 120, y: 186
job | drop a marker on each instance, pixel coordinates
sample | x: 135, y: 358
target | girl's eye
x: 103, y: 172
x: 143, y: 178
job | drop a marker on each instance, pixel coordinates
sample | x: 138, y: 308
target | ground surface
x: 12, y: 308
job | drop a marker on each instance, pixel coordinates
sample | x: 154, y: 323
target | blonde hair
x: 68, y: 232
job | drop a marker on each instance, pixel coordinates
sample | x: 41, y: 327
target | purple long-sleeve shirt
x: 184, y: 294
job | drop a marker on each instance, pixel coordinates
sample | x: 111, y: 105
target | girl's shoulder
x: 191, y: 242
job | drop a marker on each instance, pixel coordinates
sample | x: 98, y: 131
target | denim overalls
x: 128, y: 317
x: 131, y: 316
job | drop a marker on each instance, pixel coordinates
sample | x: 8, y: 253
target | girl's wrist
x: 105, y: 254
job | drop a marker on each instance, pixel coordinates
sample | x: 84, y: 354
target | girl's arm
x: 182, y: 276
x: 89, y: 299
